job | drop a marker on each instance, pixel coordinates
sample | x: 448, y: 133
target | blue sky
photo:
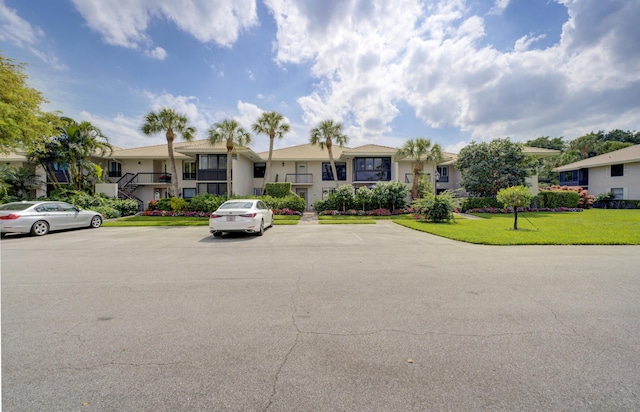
x: 453, y: 71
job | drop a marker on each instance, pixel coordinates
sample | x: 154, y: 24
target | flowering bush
x: 380, y: 212
x: 286, y: 212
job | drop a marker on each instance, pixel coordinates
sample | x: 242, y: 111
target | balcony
x: 299, y: 179
x: 372, y: 176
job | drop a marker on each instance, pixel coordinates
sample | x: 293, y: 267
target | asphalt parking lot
x: 316, y: 317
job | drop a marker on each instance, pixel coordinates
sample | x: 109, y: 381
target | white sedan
x: 41, y: 217
x: 241, y: 215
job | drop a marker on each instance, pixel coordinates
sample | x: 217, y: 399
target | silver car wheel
x: 96, y: 222
x: 40, y: 228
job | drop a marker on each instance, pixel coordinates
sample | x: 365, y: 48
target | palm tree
x: 420, y: 150
x: 325, y: 134
x: 230, y: 132
x: 169, y: 121
x: 79, y: 142
x: 272, y: 124
x: 71, y: 151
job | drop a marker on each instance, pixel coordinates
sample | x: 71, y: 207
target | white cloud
x: 125, y: 22
x: 367, y: 57
x: 122, y: 131
x: 499, y: 6
x: 157, y: 53
x: 15, y: 30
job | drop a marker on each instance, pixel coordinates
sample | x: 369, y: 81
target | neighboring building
x: 617, y: 172
x: 143, y: 174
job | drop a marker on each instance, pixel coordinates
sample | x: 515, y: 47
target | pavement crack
x: 294, y: 304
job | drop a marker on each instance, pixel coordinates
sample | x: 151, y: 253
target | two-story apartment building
x: 143, y: 173
x: 617, y: 172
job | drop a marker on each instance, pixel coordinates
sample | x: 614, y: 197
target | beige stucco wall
x: 601, y: 181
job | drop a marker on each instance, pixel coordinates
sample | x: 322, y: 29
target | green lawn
x: 590, y: 227
x: 181, y: 221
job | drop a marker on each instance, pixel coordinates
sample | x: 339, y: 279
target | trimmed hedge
x: 480, y: 203
x: 554, y: 199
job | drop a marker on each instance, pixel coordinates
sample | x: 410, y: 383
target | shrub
x: 164, y: 204
x: 293, y: 202
x: 437, y: 208
x: 282, y: 189
x: 553, y: 199
x: 205, y: 202
x: 585, y: 200
x: 480, y: 202
x: 178, y: 204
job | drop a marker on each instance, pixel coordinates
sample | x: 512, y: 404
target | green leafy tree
x: 344, y: 196
x: 22, y: 121
x: 326, y: 134
x: 273, y: 125
x: 232, y: 134
x: 420, y: 151
x: 363, y: 197
x: 70, y: 153
x: 546, y: 142
x: 172, y: 124
x: 515, y: 197
x: 488, y: 167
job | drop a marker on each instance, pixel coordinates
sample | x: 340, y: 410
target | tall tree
x: 230, y: 132
x: 70, y: 152
x: 488, y: 167
x: 78, y: 143
x: 420, y: 151
x: 546, y: 142
x: 22, y: 121
x: 272, y: 124
x: 171, y: 123
x: 324, y: 135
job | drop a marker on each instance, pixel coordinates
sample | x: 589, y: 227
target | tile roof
x: 629, y: 154
x: 372, y: 149
x: 303, y: 152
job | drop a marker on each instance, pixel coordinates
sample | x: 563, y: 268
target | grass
x: 590, y: 227
x: 181, y: 221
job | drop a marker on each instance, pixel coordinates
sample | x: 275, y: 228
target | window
x: 341, y: 170
x: 212, y: 162
x: 188, y: 170
x: 213, y: 188
x: 618, y: 193
x: 115, y: 169
x: 259, y: 169
x: 188, y: 193
x: 372, y: 169
x: 443, y: 171
x: 617, y: 170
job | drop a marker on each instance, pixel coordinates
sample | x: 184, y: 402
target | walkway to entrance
x: 308, y: 218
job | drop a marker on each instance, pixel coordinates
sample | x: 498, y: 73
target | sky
x: 453, y: 71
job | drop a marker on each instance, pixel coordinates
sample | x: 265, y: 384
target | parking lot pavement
x: 315, y: 317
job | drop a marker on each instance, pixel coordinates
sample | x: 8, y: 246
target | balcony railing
x: 143, y: 179
x: 212, y: 174
x: 372, y: 176
x: 299, y: 178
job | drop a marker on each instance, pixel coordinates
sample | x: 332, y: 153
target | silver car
x: 41, y: 217
x: 241, y: 215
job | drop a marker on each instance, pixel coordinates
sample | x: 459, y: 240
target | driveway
x: 315, y: 317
